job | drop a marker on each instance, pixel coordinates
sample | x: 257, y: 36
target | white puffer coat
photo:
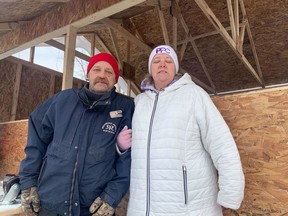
x: 180, y: 141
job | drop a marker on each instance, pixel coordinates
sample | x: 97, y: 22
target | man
x: 72, y: 161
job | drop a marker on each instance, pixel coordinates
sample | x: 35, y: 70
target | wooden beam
x: 77, y: 13
x: 92, y: 51
x: 117, y: 50
x: 137, y: 34
x: 61, y: 46
x: 69, y: 56
x: 196, y: 50
x: 102, y: 44
x: 135, y: 88
x: 174, y: 37
x: 16, y: 92
x: 128, y: 87
x: 32, y: 54
x: 128, y: 51
x: 52, y: 85
x: 127, y: 34
x: 186, y: 40
x: 8, y: 26
x: 217, y: 24
x: 163, y: 24
x: 251, y: 40
x: 232, y: 20
x: 236, y: 16
x: 37, y: 67
x: 199, y: 82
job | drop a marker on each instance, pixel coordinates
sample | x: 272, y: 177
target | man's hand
x: 100, y: 208
x: 124, y: 138
x: 30, y: 201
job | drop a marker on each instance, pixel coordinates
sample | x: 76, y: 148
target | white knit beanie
x: 164, y: 49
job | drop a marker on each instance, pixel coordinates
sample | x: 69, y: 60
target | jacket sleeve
x: 118, y: 186
x: 40, y: 134
x: 219, y: 143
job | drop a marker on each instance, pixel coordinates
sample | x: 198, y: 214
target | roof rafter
x: 126, y: 34
x: 196, y: 50
x: 61, y: 46
x: 217, y: 24
x: 163, y: 24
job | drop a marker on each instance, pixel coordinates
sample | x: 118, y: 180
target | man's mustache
x: 101, y: 80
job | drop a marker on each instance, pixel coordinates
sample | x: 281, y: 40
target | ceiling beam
x: 251, y: 39
x: 117, y: 50
x: 8, y: 26
x: 127, y: 34
x: 199, y: 82
x: 217, y: 24
x: 61, y: 46
x: 232, y: 20
x: 163, y: 24
x: 102, y: 44
x: 195, y: 48
x: 76, y: 13
x: 186, y: 40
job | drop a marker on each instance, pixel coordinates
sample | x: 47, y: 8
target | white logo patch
x: 109, y: 127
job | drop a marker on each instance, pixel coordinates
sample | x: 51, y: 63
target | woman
x: 184, y: 159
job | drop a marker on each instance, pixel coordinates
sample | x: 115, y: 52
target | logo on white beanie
x: 163, y: 49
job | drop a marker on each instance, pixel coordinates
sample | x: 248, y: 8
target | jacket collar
x: 92, y: 100
x: 148, y: 84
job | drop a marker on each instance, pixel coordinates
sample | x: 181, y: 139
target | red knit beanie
x: 104, y: 57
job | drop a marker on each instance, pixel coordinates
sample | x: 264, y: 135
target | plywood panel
x: 259, y: 123
x: 13, y: 137
x: 7, y: 77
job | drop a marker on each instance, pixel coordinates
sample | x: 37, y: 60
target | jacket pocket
x: 59, y: 150
x: 97, y: 155
x: 184, y: 169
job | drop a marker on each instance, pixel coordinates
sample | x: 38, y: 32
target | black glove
x: 101, y: 208
x: 30, y: 201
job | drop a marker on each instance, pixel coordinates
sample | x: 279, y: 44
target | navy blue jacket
x: 71, y: 151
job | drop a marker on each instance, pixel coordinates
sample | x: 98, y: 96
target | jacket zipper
x: 185, y: 183
x: 74, y: 171
x: 148, y: 156
x: 73, y: 182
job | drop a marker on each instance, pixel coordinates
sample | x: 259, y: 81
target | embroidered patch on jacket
x: 109, y: 127
x: 116, y: 114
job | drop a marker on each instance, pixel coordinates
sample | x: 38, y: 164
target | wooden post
x: 69, y: 56
x: 16, y: 92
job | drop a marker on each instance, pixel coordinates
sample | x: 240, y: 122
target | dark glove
x: 100, y: 208
x: 30, y: 201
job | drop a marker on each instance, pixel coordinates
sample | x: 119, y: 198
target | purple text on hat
x: 163, y: 50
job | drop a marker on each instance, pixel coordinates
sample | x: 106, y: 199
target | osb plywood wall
x: 259, y: 123
x: 36, y: 85
x: 13, y: 137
